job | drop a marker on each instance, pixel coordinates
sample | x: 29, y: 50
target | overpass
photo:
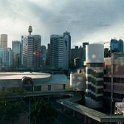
x: 89, y: 112
x: 71, y: 103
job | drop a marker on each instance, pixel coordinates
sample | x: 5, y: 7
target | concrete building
x: 78, y: 81
x: 94, y: 75
x: 60, y: 51
x: 114, y: 78
x: 3, y: 40
x: 16, y: 48
x: 31, y: 51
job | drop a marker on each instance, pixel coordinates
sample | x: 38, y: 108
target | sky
x: 86, y: 20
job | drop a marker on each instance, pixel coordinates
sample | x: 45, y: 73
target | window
x: 49, y: 87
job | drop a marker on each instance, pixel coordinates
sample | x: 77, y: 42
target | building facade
x: 3, y: 40
x: 60, y: 46
x: 31, y: 51
x: 116, y: 45
x: 48, y: 56
x: 43, y: 55
x: 5, y: 57
x: 94, y: 75
x: 114, y: 77
x: 76, y: 56
x: 16, y: 48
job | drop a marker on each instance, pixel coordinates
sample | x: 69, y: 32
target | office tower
x: 31, y: 51
x: 94, y: 75
x: 48, y: 55
x: 76, y: 57
x: 78, y: 54
x: 3, y: 40
x: 67, y: 40
x: 116, y: 45
x: 43, y: 55
x: 60, y: 51
x: 16, y: 48
x: 5, y: 57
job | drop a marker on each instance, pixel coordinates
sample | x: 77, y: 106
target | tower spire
x: 30, y: 29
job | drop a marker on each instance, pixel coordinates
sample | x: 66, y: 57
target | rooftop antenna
x: 30, y: 29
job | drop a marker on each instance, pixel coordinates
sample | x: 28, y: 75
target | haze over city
x: 86, y: 20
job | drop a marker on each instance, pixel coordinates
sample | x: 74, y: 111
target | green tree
x: 10, y: 110
x: 42, y: 113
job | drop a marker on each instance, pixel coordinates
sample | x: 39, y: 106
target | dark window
x: 64, y: 86
x: 49, y: 87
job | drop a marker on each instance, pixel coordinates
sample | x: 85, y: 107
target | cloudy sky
x: 86, y: 20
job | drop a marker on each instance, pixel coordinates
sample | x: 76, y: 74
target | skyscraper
x: 60, y: 46
x: 43, y: 55
x: 5, y: 57
x: 3, y: 40
x: 31, y: 51
x: 16, y: 48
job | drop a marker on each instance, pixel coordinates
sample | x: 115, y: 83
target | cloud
x: 86, y: 20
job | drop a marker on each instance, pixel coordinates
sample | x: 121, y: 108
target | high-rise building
x: 16, y: 48
x: 3, y: 40
x: 67, y: 40
x: 5, y: 57
x: 60, y: 46
x: 48, y: 55
x: 43, y: 55
x: 116, y: 45
x: 94, y: 75
x: 31, y: 51
x: 76, y: 55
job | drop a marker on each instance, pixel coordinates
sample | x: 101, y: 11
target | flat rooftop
x: 15, y: 78
x: 20, y: 75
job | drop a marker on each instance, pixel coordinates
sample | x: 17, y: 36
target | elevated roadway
x: 88, y: 112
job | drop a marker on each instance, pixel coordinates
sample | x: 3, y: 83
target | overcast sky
x: 86, y: 20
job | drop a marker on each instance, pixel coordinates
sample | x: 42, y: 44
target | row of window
x: 115, y: 79
x: 115, y: 95
x: 94, y: 89
x: 95, y: 64
x: 96, y: 98
x: 95, y: 74
x: 95, y: 82
x: 39, y: 88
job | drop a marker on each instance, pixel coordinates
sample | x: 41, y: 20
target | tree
x: 42, y: 113
x: 10, y: 110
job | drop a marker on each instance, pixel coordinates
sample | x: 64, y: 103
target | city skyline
x: 86, y: 20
